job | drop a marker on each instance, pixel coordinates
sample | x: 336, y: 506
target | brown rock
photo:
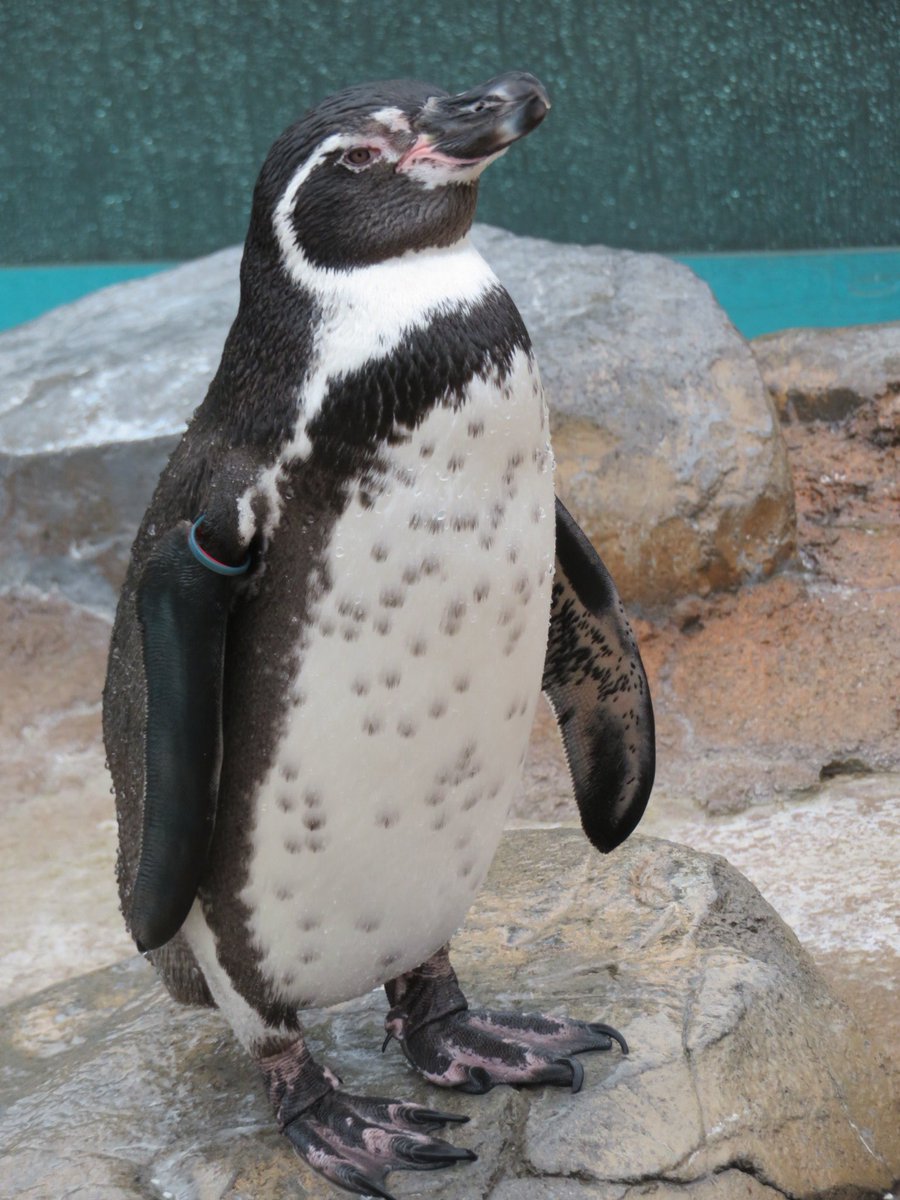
x: 826, y: 374
x: 746, y: 1077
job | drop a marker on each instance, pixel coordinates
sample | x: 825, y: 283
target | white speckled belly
x: 412, y: 704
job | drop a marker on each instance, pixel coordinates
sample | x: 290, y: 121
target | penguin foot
x: 351, y: 1140
x: 475, y: 1049
x: 355, y: 1141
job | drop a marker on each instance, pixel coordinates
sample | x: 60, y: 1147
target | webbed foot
x: 353, y: 1141
x: 475, y: 1049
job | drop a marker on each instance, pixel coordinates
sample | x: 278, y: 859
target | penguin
x: 351, y: 584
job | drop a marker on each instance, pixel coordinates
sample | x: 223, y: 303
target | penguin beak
x: 477, y: 126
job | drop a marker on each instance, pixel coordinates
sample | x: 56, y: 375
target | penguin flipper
x: 596, y: 685
x: 183, y: 611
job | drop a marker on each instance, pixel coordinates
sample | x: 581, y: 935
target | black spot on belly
x: 391, y: 679
x: 471, y: 800
x: 382, y: 624
x: 387, y: 818
x: 388, y: 960
x: 430, y: 564
x: 482, y: 591
x: 426, y: 450
x: 453, y: 616
x: 286, y: 803
x: 417, y: 647
x: 310, y: 956
x: 283, y: 893
x: 371, y: 725
x: 312, y: 799
x: 360, y: 686
x: 313, y: 821
x: 315, y: 843
x: 309, y: 922
x: 455, y: 463
x: 350, y: 633
x: 293, y: 846
x: 411, y: 574
x: 289, y: 773
x: 436, y: 797
x: 379, y: 551
x: 406, y: 729
x: 391, y: 597
x: 461, y: 683
x: 368, y: 924
x: 437, y: 708
x: 476, y: 429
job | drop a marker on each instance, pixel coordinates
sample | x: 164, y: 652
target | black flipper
x: 595, y: 681
x: 183, y: 611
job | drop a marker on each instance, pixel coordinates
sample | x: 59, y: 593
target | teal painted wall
x: 133, y: 129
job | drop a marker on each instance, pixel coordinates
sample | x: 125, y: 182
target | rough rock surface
x: 827, y: 374
x: 746, y: 1078
x: 667, y: 446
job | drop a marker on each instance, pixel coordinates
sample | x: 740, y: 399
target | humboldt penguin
x: 351, y: 584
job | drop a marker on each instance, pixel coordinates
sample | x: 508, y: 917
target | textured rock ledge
x: 746, y: 1078
x: 666, y: 440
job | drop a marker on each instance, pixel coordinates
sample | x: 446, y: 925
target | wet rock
x: 665, y: 439
x: 827, y: 374
x: 746, y: 1078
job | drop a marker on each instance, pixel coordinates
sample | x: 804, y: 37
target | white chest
x: 412, y: 701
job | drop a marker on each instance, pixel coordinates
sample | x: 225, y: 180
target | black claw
x: 577, y: 1074
x: 477, y: 1083
x: 386, y: 1042
x: 430, y: 1116
x: 611, y: 1033
x: 436, y: 1154
x: 365, y: 1186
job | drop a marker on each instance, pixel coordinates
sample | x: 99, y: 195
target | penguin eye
x: 360, y: 156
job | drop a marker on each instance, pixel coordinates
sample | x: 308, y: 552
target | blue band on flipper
x: 207, y: 560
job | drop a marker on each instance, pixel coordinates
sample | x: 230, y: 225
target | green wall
x: 133, y: 129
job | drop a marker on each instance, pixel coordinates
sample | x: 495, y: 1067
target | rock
x: 746, y: 1078
x: 667, y: 448
x: 666, y: 443
x: 93, y: 398
x: 826, y: 374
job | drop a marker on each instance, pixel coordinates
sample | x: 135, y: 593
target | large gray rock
x: 666, y: 443
x: 746, y: 1078
x: 826, y: 374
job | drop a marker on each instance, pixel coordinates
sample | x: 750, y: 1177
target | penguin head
x: 378, y: 170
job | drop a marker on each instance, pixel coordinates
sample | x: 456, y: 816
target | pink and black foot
x: 354, y: 1141
x: 475, y: 1049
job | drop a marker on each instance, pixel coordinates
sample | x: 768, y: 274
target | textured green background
x: 133, y: 129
